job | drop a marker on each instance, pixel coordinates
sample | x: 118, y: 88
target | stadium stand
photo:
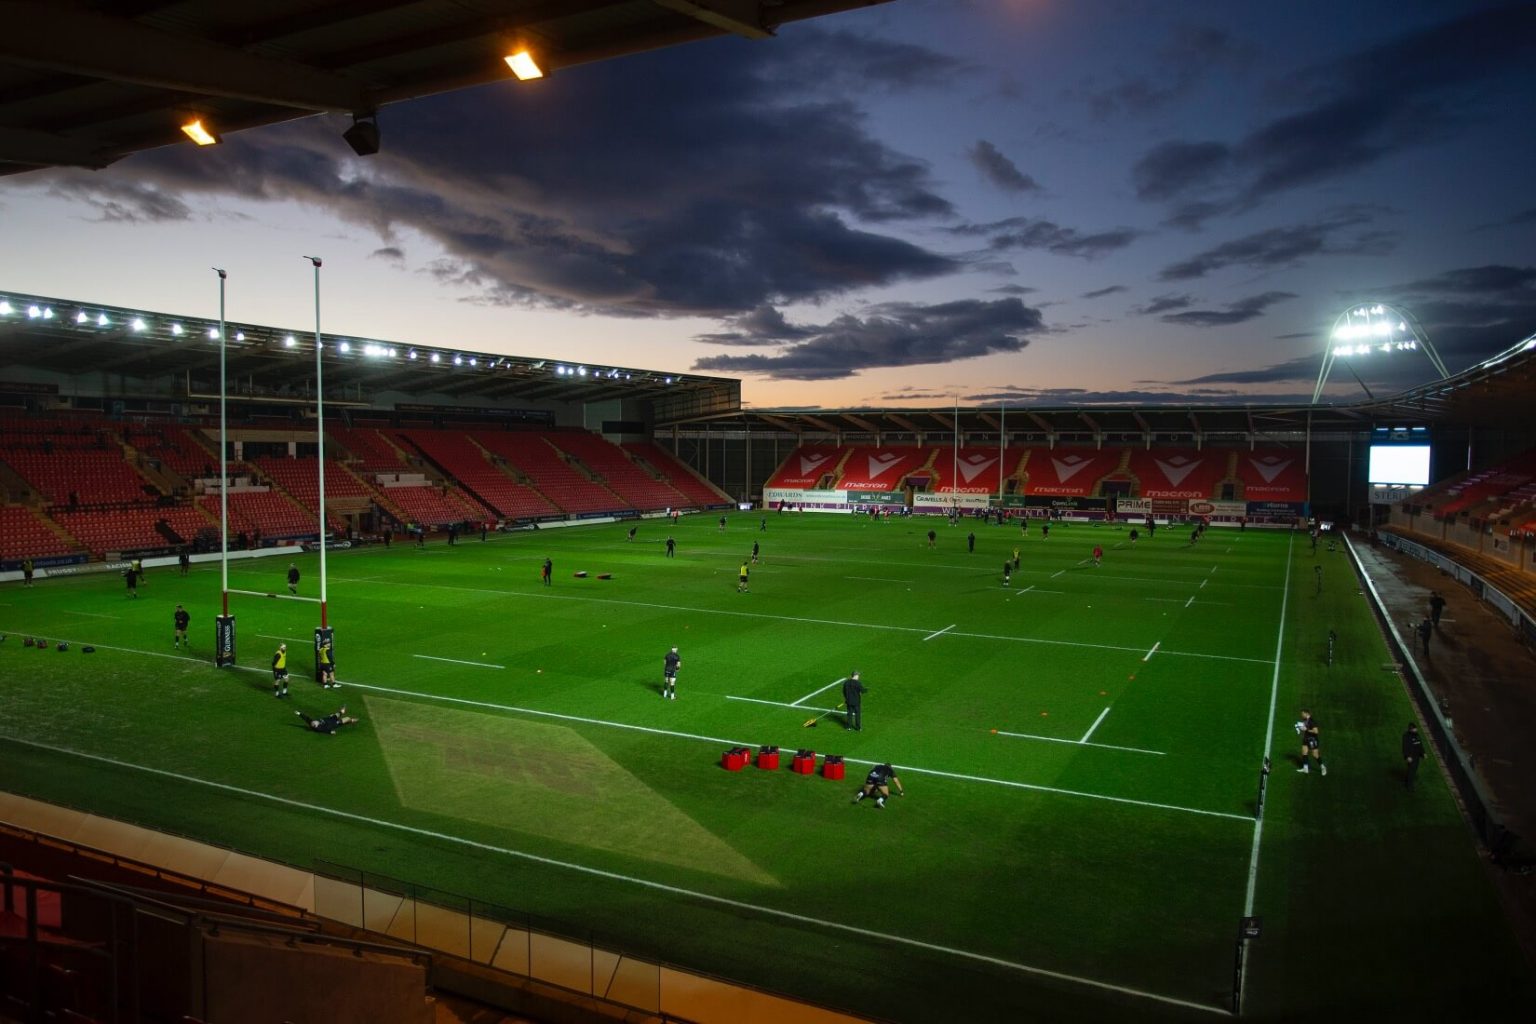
x: 137, y: 528
x: 805, y: 467
x: 881, y: 469
x: 535, y: 455
x: 488, y: 484
x: 693, y: 487
x: 1068, y: 472
x: 176, y: 447
x: 268, y: 513
x: 1177, y: 472
x: 300, y: 479
x: 1272, y: 474
x: 369, y: 450
x: 428, y: 505
x: 635, y: 486
x: 974, y: 471
x: 1478, y: 495
x: 28, y: 536
x: 81, y: 477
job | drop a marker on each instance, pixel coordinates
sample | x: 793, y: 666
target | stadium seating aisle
x: 463, y: 460
x: 619, y: 473
x: 27, y: 536
x: 534, y: 454
x: 372, y: 452
x: 693, y: 489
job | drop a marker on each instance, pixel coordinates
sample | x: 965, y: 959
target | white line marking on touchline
x: 824, y: 689
x: 1080, y: 743
x: 1148, y: 656
x: 1094, y: 726
x: 456, y: 661
x: 941, y: 632
x: 780, y: 703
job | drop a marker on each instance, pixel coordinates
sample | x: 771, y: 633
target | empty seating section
x: 695, y: 490
x: 555, y: 479
x: 1068, y: 472
x: 805, y: 466
x: 1273, y: 474
x: 1178, y: 472
x: 175, y: 447
x: 264, y: 512
x: 973, y: 470
x: 134, y: 529
x: 372, y: 452
x: 619, y: 473
x: 92, y: 477
x: 24, y: 535
x: 882, y: 469
x: 463, y: 460
x: 429, y: 506
x: 1488, y: 488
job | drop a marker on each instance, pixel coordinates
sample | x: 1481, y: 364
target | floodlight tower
x: 1374, y: 327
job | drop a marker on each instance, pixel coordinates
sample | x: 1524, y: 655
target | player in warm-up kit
x: 182, y: 618
x: 293, y: 578
x: 328, y: 724
x: 669, y: 666
x: 878, y: 781
x: 280, y: 671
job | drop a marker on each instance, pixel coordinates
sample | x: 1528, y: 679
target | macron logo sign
x: 1270, y: 467
x: 1177, y: 468
x: 972, y: 465
x: 809, y: 463
x: 1068, y: 467
x: 880, y: 463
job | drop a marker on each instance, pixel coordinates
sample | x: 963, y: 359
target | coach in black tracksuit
x: 853, y: 691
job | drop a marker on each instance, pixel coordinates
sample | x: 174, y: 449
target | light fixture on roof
x: 137, y: 324
x: 525, y: 63
x: 289, y: 341
x: 436, y: 357
x: 213, y: 333
x: 102, y: 321
x: 33, y: 312
x: 344, y: 347
x: 199, y: 133
x: 409, y: 355
x: 239, y: 335
x: 363, y: 136
x: 5, y: 308
x: 81, y: 317
x: 473, y: 361
x: 176, y: 330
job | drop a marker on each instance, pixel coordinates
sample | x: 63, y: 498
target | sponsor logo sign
x: 1218, y: 508
x: 223, y: 640
x: 796, y: 496
x: 1073, y: 504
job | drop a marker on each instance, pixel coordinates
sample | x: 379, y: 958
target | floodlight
x: 391, y: 351
x: 176, y: 330
x: 33, y: 312
x: 5, y: 308
x: 1375, y: 327
x: 81, y: 318
x: 195, y: 131
x: 363, y: 136
x: 102, y: 321
x: 344, y: 347
x: 137, y: 324
x: 524, y: 64
x: 581, y: 370
x: 289, y: 341
x: 473, y: 361
x: 411, y: 354
x: 47, y: 312
x: 669, y: 380
x: 239, y: 335
x: 213, y: 333
x: 458, y: 360
x: 435, y: 357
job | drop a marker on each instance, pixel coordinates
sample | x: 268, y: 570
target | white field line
x: 1011, y: 784
x: 1080, y: 743
x: 1166, y: 600
x: 1058, y: 572
x: 1148, y: 656
x: 92, y: 615
x: 287, y: 639
x: 546, y: 596
x: 456, y: 661
x: 1203, y: 583
x: 878, y: 579
x: 614, y: 876
x: 941, y: 632
x: 1026, y: 589
x: 1214, y: 568
x: 782, y: 704
x: 1094, y: 726
x: 1190, y: 601
x: 824, y: 689
x: 1269, y: 737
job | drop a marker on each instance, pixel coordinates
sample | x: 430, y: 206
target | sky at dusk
x: 983, y: 201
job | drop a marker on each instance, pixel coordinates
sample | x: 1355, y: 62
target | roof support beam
x: 739, y: 17
x: 44, y: 149
x: 69, y: 39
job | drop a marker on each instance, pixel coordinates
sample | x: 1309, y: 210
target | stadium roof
x: 1499, y: 389
x: 66, y: 337
x: 84, y: 84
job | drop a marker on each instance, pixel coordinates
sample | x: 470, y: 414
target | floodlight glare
x: 409, y: 355
x: 1376, y: 327
x: 176, y: 330
x: 137, y: 325
x: 195, y: 131
x: 33, y: 312
x: 345, y: 347
x: 102, y: 321
x: 213, y: 333
x: 458, y: 360
x: 435, y: 357
x: 80, y: 317
x: 474, y: 362
x: 290, y: 341
x: 5, y: 308
x: 524, y: 65
x: 47, y: 312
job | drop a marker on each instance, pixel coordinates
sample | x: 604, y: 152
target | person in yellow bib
x: 280, y: 671
x: 328, y: 669
x: 741, y: 585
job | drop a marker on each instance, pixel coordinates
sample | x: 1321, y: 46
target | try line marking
x: 1094, y: 726
x: 824, y: 689
x: 456, y: 661
x: 1148, y: 656
x: 1078, y: 743
x: 615, y: 876
x: 652, y: 730
x: 941, y: 632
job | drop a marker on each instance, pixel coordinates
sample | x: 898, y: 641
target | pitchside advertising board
x: 876, y: 498
x: 223, y: 640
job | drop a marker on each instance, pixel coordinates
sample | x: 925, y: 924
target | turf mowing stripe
x: 711, y: 739
x: 815, y: 622
x: 1075, y: 743
x: 645, y: 883
x: 824, y: 689
x: 1094, y: 726
x: 941, y: 632
x: 1269, y: 737
x: 456, y: 661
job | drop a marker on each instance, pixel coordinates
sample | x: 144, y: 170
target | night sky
x: 982, y: 201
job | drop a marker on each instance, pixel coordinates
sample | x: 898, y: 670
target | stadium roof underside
x: 85, y: 84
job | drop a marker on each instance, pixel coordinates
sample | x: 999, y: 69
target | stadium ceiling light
x: 525, y: 64
x: 47, y: 312
x: 409, y: 355
x: 363, y: 136
x: 436, y: 357
x: 199, y: 134
x: 213, y: 333
x: 581, y: 370
x: 458, y: 360
x: 239, y: 335
x: 137, y: 325
x: 289, y: 341
x: 5, y: 308
x: 473, y: 361
x: 102, y: 321
x: 176, y: 330
x: 344, y: 347
x: 392, y: 352
x: 33, y: 312
x: 81, y: 318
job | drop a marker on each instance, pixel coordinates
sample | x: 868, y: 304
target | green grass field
x: 1080, y: 751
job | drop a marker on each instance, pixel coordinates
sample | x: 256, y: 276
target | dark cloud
x: 1283, y: 247
x: 763, y: 326
x: 892, y: 334
x: 1000, y: 170
x: 389, y: 254
x: 1469, y: 313
x: 1237, y: 312
x: 1030, y: 233
x: 123, y: 202
x: 839, y: 62
x: 1099, y: 293
x: 1356, y: 110
x: 708, y: 180
x: 1164, y: 304
x: 1012, y: 289
x: 1190, y: 55
x: 1302, y: 368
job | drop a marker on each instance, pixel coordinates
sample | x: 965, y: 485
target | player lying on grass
x: 331, y: 722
